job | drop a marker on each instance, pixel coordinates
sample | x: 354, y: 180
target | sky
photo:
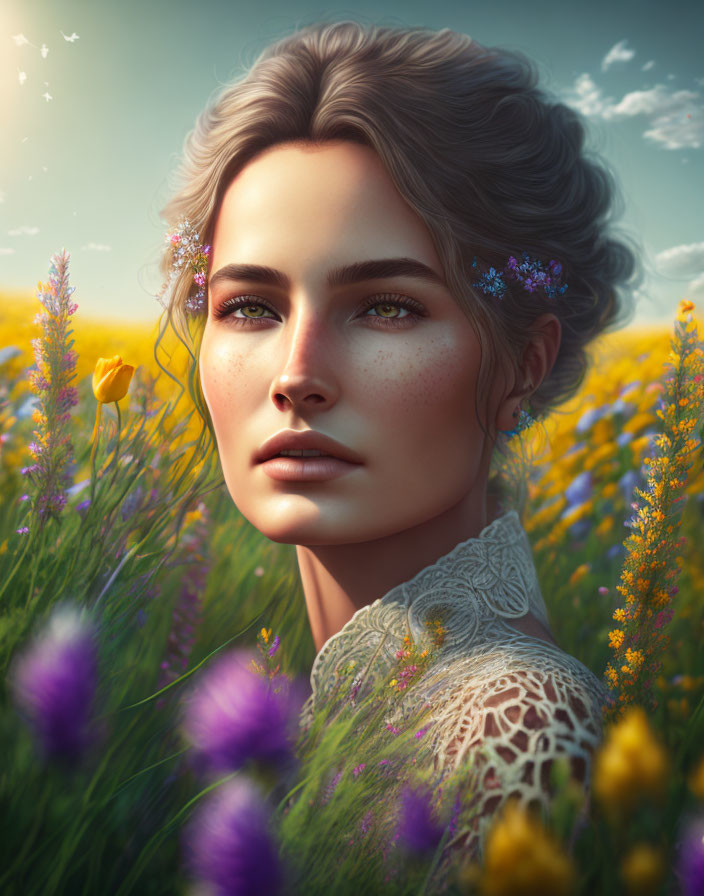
x: 97, y: 98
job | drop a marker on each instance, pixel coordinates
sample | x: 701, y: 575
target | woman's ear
x: 538, y: 360
x: 539, y: 355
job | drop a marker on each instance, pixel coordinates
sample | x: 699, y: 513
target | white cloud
x: 676, y: 117
x: 648, y: 65
x: 97, y: 247
x: 586, y: 97
x: 687, y: 260
x: 4, y: 251
x: 618, y: 53
x: 23, y: 230
x: 695, y: 288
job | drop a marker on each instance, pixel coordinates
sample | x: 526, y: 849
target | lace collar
x: 487, y: 576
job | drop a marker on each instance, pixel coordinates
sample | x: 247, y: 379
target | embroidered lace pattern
x: 503, y: 701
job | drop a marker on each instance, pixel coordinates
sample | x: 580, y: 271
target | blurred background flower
x: 232, y: 716
x: 229, y: 844
x: 53, y: 682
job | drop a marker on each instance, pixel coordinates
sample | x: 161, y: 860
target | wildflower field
x: 155, y: 648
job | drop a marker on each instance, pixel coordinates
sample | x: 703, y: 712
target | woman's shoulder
x: 522, y: 699
x: 508, y: 715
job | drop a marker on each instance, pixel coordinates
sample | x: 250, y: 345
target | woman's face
x: 394, y: 385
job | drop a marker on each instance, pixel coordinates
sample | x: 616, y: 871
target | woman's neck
x: 340, y: 579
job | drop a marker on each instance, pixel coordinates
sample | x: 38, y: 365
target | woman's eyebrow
x: 341, y: 276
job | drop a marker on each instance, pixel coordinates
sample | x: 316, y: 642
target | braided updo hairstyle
x: 491, y: 163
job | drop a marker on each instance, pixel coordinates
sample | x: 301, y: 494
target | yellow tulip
x: 111, y: 380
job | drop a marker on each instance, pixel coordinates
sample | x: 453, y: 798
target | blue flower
x: 589, y: 418
x: 580, y: 489
x: 627, y: 484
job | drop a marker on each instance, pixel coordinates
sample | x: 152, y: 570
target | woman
x: 364, y: 196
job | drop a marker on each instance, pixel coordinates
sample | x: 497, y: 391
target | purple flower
x: 690, y: 858
x: 54, y: 681
x: 229, y: 844
x: 417, y: 830
x: 55, y: 368
x: 330, y: 789
x: 83, y: 506
x: 233, y: 715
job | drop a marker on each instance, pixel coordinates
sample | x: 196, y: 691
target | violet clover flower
x: 690, y: 858
x: 229, y: 845
x: 417, y: 830
x: 233, y: 716
x: 54, y: 681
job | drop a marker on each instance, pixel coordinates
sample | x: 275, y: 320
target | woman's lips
x: 307, y: 469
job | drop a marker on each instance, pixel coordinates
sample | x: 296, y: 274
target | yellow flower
x: 696, y: 780
x: 616, y: 638
x: 111, y: 380
x: 605, y: 526
x: 579, y: 573
x: 642, y: 870
x: 631, y: 762
x: 521, y: 856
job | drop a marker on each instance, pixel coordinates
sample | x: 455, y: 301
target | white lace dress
x: 522, y: 699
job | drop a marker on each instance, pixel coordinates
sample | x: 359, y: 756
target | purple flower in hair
x: 54, y: 681
x: 229, y: 844
x: 233, y: 715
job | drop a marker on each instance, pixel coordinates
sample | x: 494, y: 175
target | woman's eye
x: 256, y: 309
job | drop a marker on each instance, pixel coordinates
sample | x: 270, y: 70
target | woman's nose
x: 306, y: 375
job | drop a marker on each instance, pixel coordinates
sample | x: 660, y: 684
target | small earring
x: 525, y: 420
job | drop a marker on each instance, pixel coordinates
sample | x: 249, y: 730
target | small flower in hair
x: 188, y: 252
x: 530, y: 273
x: 490, y: 283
